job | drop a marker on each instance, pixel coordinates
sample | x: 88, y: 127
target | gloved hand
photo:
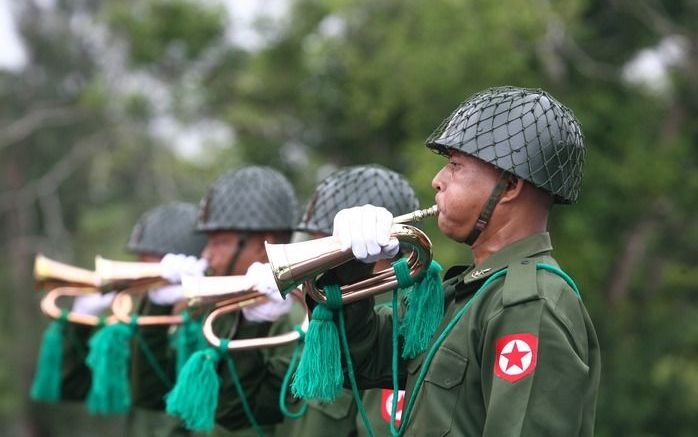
x: 174, y: 266
x: 93, y: 304
x: 167, y: 295
x: 264, y: 282
x: 366, y: 229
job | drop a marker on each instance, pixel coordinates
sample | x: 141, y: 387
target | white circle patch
x: 515, y: 358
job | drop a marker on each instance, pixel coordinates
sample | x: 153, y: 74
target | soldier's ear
x: 513, y: 189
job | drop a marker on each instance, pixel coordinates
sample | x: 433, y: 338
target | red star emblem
x: 387, y: 405
x: 515, y: 356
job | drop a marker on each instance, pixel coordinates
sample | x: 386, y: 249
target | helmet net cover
x: 525, y: 132
x: 357, y: 186
x: 168, y: 228
x: 251, y: 198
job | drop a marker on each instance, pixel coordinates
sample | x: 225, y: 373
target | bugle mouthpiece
x: 417, y: 216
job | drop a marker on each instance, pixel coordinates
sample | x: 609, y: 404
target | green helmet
x: 166, y: 229
x: 249, y: 199
x: 525, y: 132
x: 357, y: 186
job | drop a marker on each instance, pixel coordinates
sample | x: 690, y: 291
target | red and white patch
x: 387, y: 405
x: 516, y: 356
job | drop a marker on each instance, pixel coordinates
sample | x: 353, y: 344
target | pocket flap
x: 447, y: 369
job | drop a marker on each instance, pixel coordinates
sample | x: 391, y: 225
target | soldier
x: 163, y: 232
x: 240, y: 211
x: 516, y: 353
x: 348, y: 187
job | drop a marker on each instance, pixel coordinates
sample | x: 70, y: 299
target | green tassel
x: 425, y: 309
x: 194, y: 397
x: 189, y: 339
x: 47, y: 380
x: 109, y: 354
x: 319, y: 375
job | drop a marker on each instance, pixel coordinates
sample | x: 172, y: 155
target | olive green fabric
x: 462, y: 394
x: 260, y: 371
x: 525, y: 132
x: 341, y: 417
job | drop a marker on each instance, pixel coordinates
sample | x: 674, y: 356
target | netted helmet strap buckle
x: 488, y: 209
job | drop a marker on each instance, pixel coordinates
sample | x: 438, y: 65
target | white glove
x: 166, y: 295
x: 93, y: 304
x: 174, y: 266
x: 263, y: 280
x: 366, y: 229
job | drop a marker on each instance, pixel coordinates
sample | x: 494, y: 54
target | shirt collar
x: 523, y: 248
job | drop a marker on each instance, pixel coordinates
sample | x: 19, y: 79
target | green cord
x: 223, y: 350
x: 396, y: 384
x: 350, y: 368
x: 150, y: 357
x: 430, y: 356
x: 287, y: 379
x: 561, y: 274
x: 442, y: 337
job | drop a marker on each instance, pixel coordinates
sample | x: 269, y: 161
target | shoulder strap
x: 520, y: 284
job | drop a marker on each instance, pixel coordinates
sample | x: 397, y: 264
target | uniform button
x: 524, y: 262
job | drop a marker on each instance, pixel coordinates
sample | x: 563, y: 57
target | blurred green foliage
x: 343, y: 82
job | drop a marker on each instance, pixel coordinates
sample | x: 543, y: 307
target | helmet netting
x: 525, y: 132
x: 357, y: 186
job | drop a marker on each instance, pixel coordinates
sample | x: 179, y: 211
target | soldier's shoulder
x: 536, y: 278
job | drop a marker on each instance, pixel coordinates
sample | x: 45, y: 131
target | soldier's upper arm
x: 533, y: 367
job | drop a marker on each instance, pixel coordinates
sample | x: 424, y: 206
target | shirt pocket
x: 435, y: 406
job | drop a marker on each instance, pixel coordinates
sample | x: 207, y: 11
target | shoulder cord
x: 149, y: 356
x: 334, y: 299
x: 404, y: 420
x: 287, y: 379
x: 232, y: 370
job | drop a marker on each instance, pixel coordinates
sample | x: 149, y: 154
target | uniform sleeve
x: 534, y: 369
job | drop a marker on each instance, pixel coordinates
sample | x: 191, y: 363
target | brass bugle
x: 112, y: 271
x: 252, y: 343
x: 201, y: 290
x: 198, y: 291
x: 301, y: 263
x: 50, y: 307
x: 49, y: 273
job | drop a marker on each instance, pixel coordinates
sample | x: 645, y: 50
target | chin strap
x: 242, y: 242
x: 488, y: 209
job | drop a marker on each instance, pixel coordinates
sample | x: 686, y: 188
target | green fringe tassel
x: 425, y: 309
x: 189, y: 339
x: 47, y: 380
x: 319, y: 375
x: 109, y: 354
x: 195, y: 396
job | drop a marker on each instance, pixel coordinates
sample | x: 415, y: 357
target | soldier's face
x: 462, y: 187
x: 221, y: 246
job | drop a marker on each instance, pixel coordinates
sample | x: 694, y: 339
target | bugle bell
x: 49, y: 273
x: 301, y: 263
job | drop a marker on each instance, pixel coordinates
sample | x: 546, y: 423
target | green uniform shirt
x: 523, y: 360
